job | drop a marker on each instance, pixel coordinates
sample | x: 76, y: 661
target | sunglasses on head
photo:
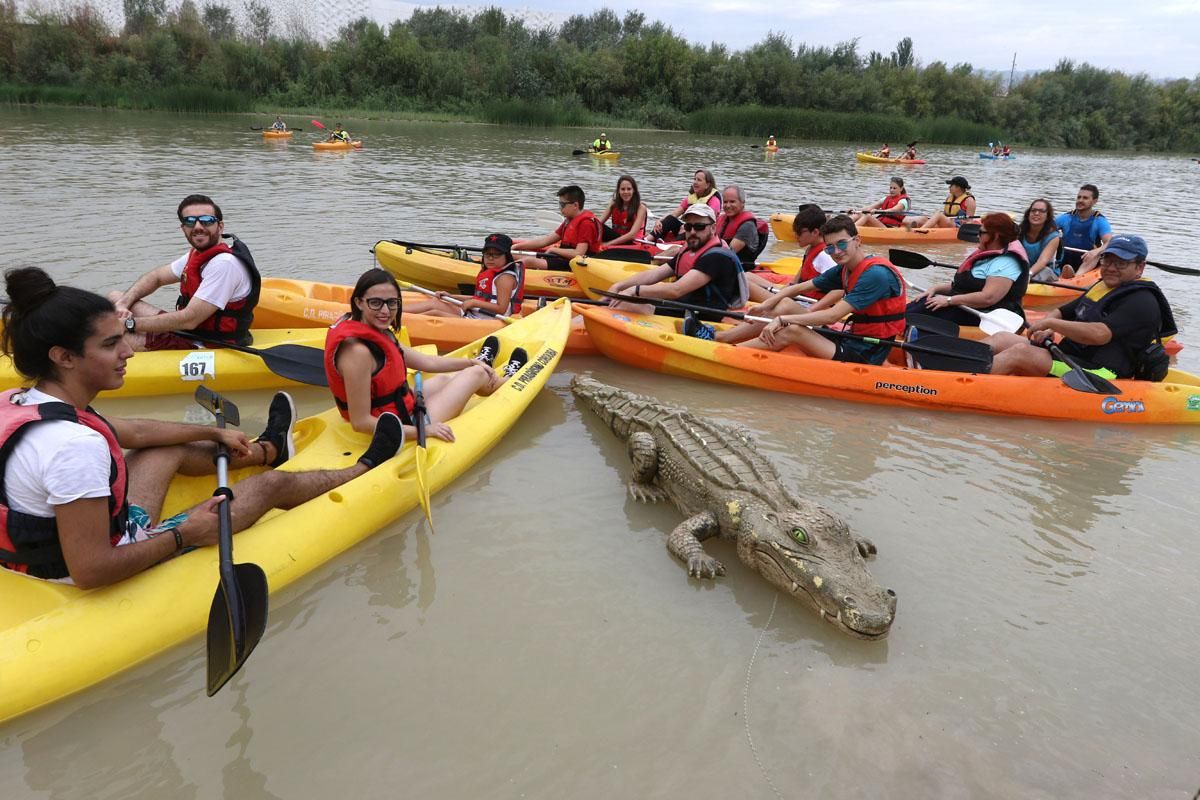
x: 695, y: 226
x: 839, y: 246
x: 204, y: 219
x: 376, y: 303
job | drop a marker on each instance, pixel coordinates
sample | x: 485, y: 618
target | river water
x: 543, y: 643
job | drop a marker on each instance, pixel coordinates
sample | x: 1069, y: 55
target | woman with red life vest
x: 368, y: 368
x: 873, y: 297
x: 704, y: 190
x: 626, y: 214
x: 218, y: 287
x: 499, y: 286
x: 776, y: 300
x: 994, y: 275
x: 81, y: 495
x: 896, y: 202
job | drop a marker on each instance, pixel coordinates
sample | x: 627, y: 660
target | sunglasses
x: 204, y: 219
x: 376, y: 303
x: 1038, y: 211
x: 839, y: 246
x: 562, y: 204
x: 695, y: 226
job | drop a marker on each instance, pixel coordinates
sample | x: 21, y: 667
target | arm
x: 539, y: 243
x: 635, y: 230
x: 503, y: 288
x: 145, y: 286
x: 192, y: 315
x: 994, y: 288
x: 1046, y: 257
x: 1091, y: 259
x: 823, y: 316
x: 355, y: 364
x: 1084, y: 333
x: 607, y: 213
x: 138, y: 434
x: 644, y: 278
x: 695, y: 279
x: 968, y: 206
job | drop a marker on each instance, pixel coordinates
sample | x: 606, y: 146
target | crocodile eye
x: 800, y: 535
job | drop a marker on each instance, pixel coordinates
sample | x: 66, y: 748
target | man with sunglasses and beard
x: 218, y: 287
x: 868, y: 289
x: 707, y: 273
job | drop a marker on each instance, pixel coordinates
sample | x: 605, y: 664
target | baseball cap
x: 959, y: 180
x: 1127, y: 246
x: 498, y: 241
x: 701, y: 210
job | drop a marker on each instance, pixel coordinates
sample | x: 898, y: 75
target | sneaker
x: 387, y: 441
x: 281, y: 419
x: 517, y: 360
x: 489, y: 351
x: 697, y: 329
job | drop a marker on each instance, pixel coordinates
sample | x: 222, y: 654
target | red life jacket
x: 485, y: 283
x: 892, y: 220
x: 727, y: 229
x: 622, y: 221
x: 688, y: 258
x: 966, y: 283
x: 571, y: 233
x: 29, y: 543
x: 883, y: 319
x: 389, y: 381
x: 808, y: 270
x: 232, y: 323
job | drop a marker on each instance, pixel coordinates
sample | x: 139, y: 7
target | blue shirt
x: 1081, y: 234
x: 1034, y: 250
x: 876, y: 283
x: 1001, y: 266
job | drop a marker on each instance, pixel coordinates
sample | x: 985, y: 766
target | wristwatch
x: 130, y: 324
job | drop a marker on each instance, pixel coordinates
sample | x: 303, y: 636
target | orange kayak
x: 270, y: 134
x: 310, y: 304
x: 656, y: 343
x: 356, y: 144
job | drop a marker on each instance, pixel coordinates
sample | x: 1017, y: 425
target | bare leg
x: 808, y: 340
x: 1023, y: 359
x: 999, y: 342
x: 870, y: 221
x: 259, y: 493
x: 151, y: 470
x: 438, y: 307
x: 446, y: 395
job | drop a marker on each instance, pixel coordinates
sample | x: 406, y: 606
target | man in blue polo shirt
x: 1085, y: 228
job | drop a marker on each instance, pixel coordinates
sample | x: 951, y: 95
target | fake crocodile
x: 715, y: 476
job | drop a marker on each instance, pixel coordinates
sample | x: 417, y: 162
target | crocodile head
x: 812, y: 555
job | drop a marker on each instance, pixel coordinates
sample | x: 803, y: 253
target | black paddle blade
x: 947, y: 363
x: 930, y: 324
x: 296, y: 362
x: 969, y: 232
x: 1174, y: 269
x: 236, y: 623
x: 578, y: 152
x: 910, y: 260
x: 218, y: 405
x: 1079, y: 378
x: 949, y: 354
x: 634, y: 255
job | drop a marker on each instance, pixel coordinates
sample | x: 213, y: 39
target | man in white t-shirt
x: 218, y: 288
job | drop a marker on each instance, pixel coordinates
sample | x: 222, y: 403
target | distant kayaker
x: 578, y: 235
x: 1084, y: 228
x: 885, y: 151
x: 910, y: 153
x: 1040, y: 238
x: 995, y: 150
x: 367, y: 366
x: 771, y: 142
x: 625, y: 218
x: 218, y: 287
x: 339, y: 134
x: 78, y: 507
x: 601, y: 144
x: 499, y: 286
x: 873, y: 296
x: 783, y: 299
x: 896, y: 202
x: 706, y: 273
x: 278, y: 124
x: 704, y: 190
x: 994, y: 275
x: 1006, y: 151
x: 739, y: 229
x: 1113, y: 330
x: 957, y: 208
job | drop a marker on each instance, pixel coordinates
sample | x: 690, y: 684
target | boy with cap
x: 706, y: 273
x: 1109, y: 330
x: 958, y: 207
x: 499, y: 286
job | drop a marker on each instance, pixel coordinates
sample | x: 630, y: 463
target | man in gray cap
x: 706, y: 273
x: 1111, y: 330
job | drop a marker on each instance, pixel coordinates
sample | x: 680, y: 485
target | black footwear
x: 387, y: 441
x: 517, y: 360
x: 489, y: 351
x: 281, y: 418
x: 697, y: 329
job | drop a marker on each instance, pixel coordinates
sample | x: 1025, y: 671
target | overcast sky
x: 1161, y: 37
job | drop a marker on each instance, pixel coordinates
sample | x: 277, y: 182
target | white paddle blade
x: 1004, y: 319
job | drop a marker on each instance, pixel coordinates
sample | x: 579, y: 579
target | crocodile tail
x: 616, y: 407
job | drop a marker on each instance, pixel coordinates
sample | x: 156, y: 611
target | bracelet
x: 178, y: 539
x: 637, y: 290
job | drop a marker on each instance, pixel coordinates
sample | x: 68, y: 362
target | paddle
x: 1158, y: 264
x: 317, y: 124
x: 1079, y: 378
x: 1070, y: 286
x: 579, y: 152
x: 421, y: 419
x: 452, y: 300
x: 238, y: 616
x: 910, y: 260
x: 292, y: 361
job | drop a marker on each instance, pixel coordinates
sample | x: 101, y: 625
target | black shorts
x: 555, y: 261
x: 855, y: 351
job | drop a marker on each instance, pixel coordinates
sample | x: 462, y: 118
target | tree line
x: 593, y: 68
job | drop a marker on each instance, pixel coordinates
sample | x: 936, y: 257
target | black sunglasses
x: 206, y: 220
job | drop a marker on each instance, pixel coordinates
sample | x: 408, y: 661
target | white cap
x: 701, y: 210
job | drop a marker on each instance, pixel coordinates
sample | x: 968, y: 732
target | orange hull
x: 654, y: 343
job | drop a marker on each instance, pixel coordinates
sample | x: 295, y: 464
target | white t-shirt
x: 225, y: 279
x: 56, y: 463
x: 823, y: 262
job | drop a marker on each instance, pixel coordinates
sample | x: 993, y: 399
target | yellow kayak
x: 607, y: 155
x: 57, y: 639
x: 871, y: 158
x: 180, y: 371
x: 270, y: 134
x: 454, y: 270
x: 337, y: 145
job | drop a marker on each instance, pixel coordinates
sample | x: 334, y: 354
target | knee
x: 114, y: 296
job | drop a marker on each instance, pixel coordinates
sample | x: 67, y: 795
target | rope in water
x: 746, y: 701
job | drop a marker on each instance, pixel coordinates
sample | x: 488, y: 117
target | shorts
x: 555, y: 261
x: 1060, y: 368
x: 166, y: 340
x: 854, y: 351
x: 140, y: 528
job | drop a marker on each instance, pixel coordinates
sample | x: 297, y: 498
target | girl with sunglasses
x: 367, y: 367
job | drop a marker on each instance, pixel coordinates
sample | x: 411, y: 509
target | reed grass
x: 194, y: 99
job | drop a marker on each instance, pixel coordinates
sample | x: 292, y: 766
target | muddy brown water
x: 543, y: 643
